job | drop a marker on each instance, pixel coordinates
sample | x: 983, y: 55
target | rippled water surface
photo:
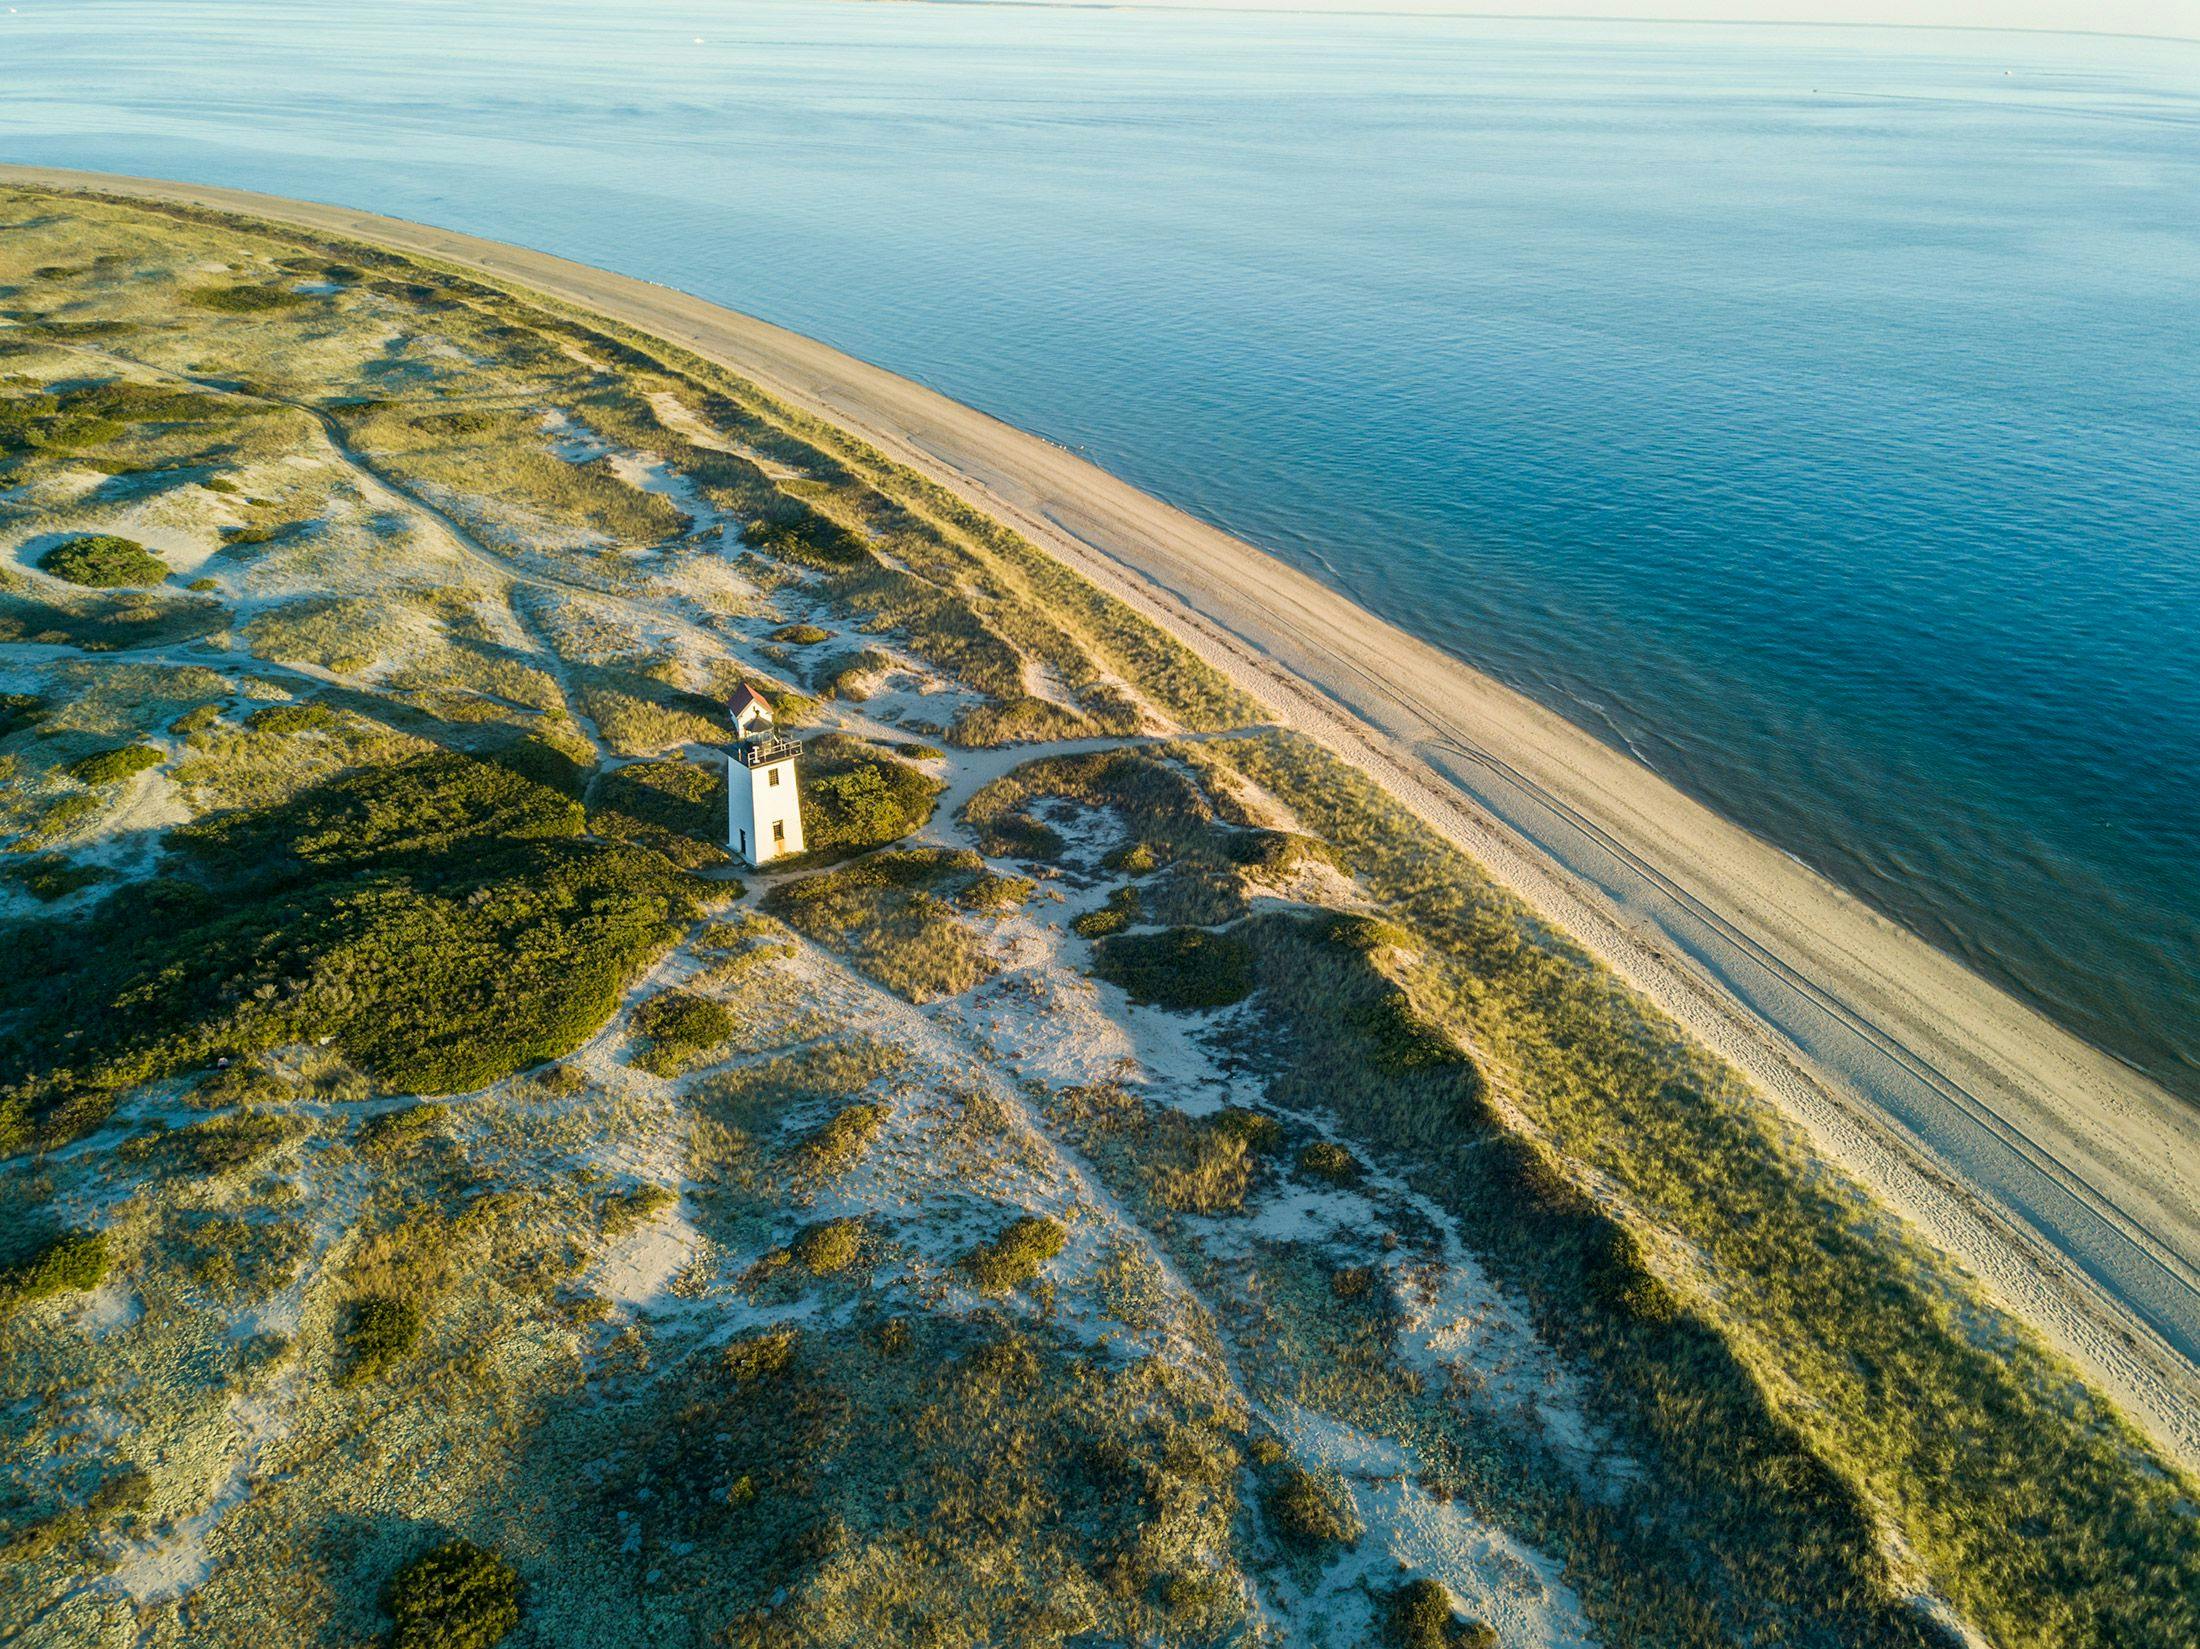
x: 1815, y: 413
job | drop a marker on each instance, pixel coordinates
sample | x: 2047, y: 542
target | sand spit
x: 2067, y: 1183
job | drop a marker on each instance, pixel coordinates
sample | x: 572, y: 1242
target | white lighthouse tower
x: 763, y: 806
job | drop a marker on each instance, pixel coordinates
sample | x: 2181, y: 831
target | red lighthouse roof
x: 747, y: 707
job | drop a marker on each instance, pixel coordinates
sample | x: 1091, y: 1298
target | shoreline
x: 2066, y: 1182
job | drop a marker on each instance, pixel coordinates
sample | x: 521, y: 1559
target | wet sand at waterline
x: 2067, y: 1182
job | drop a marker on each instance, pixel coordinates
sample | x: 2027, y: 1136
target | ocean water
x: 1813, y: 412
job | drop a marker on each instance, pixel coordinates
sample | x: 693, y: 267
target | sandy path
x: 2066, y: 1181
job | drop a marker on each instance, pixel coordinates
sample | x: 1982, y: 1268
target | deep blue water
x: 1815, y: 413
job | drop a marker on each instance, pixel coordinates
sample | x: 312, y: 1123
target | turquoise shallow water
x: 1815, y: 413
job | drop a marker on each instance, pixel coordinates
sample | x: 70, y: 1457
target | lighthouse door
x: 744, y: 844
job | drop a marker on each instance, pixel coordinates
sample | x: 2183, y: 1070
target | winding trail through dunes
x: 2067, y: 1182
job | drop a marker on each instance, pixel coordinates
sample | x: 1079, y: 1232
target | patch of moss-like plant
x: 1420, y: 1616
x: 1180, y: 968
x: 678, y: 1026
x: 72, y: 1262
x: 243, y: 299
x: 842, y: 1137
x: 1015, y: 1256
x: 1330, y: 1161
x: 381, y: 1332
x: 1306, y: 1513
x: 827, y: 1247
x: 994, y: 893
x: 113, y: 766
x: 104, y: 561
x: 458, y: 1596
x: 1121, y: 910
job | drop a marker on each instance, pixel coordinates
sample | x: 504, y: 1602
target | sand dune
x: 2064, y: 1180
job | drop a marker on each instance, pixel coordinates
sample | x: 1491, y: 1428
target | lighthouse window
x: 779, y: 830
x: 775, y: 775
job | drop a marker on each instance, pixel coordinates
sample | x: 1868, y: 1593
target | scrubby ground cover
x: 1140, y: 1188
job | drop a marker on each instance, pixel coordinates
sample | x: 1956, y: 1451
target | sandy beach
x: 2064, y: 1180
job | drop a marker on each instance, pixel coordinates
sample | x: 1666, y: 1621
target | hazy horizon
x: 2171, y: 19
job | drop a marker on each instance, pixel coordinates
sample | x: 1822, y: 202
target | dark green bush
x: 112, y: 766
x: 842, y: 1137
x: 859, y: 797
x: 1420, y: 1616
x: 294, y: 718
x: 240, y: 299
x: 1331, y: 1161
x: 1306, y: 1513
x: 104, y: 561
x: 458, y: 1596
x: 49, y: 876
x: 383, y: 1330
x: 994, y: 892
x: 801, y: 635
x: 829, y: 1246
x: 1118, y: 913
x: 1183, y: 968
x: 678, y: 1026
x: 196, y: 720
x: 1015, y: 1256
x: 74, y: 1261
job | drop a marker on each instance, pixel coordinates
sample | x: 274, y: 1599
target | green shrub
x: 112, y: 766
x: 383, y: 1330
x: 1306, y: 1513
x: 759, y: 1356
x: 678, y: 1026
x: 993, y: 892
x: 801, y: 635
x: 49, y: 876
x: 1121, y: 910
x: 1015, y: 1256
x: 196, y: 720
x: 1331, y: 1161
x: 73, y: 1262
x: 634, y: 1208
x: 104, y: 561
x: 241, y: 299
x: 842, y: 1137
x: 285, y: 719
x: 394, y: 1132
x: 858, y: 797
x: 440, y: 921
x: 829, y: 1246
x: 1420, y: 1616
x: 1181, y: 968
x: 457, y: 1596
x: 20, y: 710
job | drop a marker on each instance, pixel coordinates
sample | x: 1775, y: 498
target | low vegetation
x: 103, y: 561
x: 70, y: 1263
x: 678, y: 1026
x: 894, y: 916
x: 795, y: 1346
x: 456, y: 1596
x: 1181, y: 968
x: 1014, y: 1258
x: 113, y: 766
